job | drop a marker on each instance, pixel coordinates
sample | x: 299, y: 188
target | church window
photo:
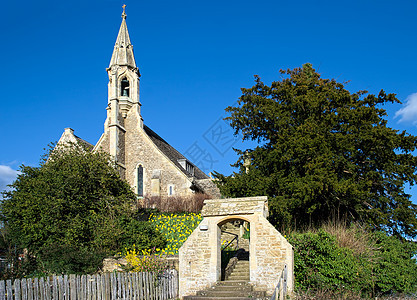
x: 125, y: 87
x: 170, y: 190
x: 140, y: 181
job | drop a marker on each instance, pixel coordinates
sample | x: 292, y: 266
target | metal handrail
x: 281, y: 288
x: 235, y: 238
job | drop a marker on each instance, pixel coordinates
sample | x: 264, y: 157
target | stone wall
x: 269, y: 252
x: 200, y: 257
x: 112, y: 264
x: 141, y: 150
x: 199, y: 267
x: 134, y: 148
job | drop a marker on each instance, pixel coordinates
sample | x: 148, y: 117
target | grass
x: 352, y: 237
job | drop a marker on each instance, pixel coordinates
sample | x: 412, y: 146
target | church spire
x: 123, y: 49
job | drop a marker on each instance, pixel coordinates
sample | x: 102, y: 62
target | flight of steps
x: 240, y: 272
x: 236, y: 287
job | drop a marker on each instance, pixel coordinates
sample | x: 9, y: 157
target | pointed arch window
x: 125, y: 87
x: 171, y: 190
x: 139, y: 177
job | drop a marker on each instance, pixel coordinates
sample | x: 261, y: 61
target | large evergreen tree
x: 323, y: 152
x: 72, y: 211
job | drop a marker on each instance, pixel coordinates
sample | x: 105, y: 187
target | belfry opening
x: 125, y: 87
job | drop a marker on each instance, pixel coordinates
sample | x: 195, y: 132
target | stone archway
x: 234, y: 247
x: 200, y: 257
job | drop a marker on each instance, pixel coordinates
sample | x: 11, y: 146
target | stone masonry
x: 139, y: 149
x: 269, y: 251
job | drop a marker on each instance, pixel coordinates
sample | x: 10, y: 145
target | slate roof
x: 84, y: 143
x: 173, y: 154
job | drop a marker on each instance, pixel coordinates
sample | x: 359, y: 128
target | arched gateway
x: 269, y: 251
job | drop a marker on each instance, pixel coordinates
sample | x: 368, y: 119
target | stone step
x: 239, y: 273
x: 233, y: 283
x: 231, y: 277
x: 242, y: 262
x: 244, y: 288
x: 222, y: 294
x: 230, y: 294
x: 215, y: 293
x: 242, y: 266
x: 229, y: 290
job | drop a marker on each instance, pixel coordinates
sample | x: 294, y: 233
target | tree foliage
x: 72, y: 211
x: 323, y: 151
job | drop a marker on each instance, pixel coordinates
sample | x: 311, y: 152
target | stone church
x: 146, y: 161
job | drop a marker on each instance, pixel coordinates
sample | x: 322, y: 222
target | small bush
x: 140, y: 233
x: 144, y: 261
x: 67, y: 259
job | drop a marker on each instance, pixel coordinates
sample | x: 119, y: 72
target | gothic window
x: 125, y: 87
x: 140, y: 181
x: 170, y: 190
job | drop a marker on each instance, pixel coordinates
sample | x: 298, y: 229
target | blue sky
x: 194, y: 56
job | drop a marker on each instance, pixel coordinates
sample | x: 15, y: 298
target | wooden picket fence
x: 108, y: 286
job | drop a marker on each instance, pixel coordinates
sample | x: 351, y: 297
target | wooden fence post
x: 108, y: 286
x: 2, y: 290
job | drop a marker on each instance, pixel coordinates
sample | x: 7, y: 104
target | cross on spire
x: 124, y: 12
x: 123, y: 49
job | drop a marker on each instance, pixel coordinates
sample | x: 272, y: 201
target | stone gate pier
x: 269, y: 251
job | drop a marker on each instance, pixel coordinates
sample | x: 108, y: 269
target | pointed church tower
x: 123, y: 73
x: 123, y: 96
x: 147, y: 162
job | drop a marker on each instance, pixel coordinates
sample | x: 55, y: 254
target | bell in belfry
x: 125, y: 87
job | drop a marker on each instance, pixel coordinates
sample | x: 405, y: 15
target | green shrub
x: 395, y: 266
x: 387, y: 267
x: 68, y: 259
x: 320, y: 262
x: 72, y: 211
x: 140, y: 233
